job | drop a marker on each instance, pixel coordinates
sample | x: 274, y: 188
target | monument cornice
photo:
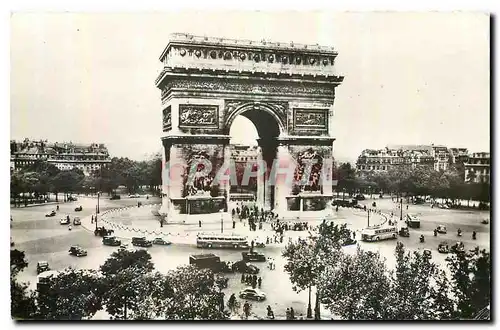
x: 199, y: 139
x: 306, y: 140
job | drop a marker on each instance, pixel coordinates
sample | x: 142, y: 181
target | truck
x: 209, y: 260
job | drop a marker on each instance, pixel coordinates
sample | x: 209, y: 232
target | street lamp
x: 368, y: 217
x: 401, y: 207
x: 98, y: 195
x: 221, y: 221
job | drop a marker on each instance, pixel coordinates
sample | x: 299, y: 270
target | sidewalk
x: 22, y: 206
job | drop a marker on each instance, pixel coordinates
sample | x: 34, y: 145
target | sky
x: 410, y: 78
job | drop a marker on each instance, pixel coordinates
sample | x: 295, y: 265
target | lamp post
x: 401, y: 206
x: 98, y: 195
x: 221, y: 221
x: 368, y: 217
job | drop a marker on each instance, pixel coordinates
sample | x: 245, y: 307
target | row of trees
x: 419, y: 181
x: 125, y: 286
x: 40, y: 178
x: 361, y: 287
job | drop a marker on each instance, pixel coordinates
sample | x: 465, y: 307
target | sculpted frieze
x: 198, y: 115
x: 310, y: 118
x: 167, y: 118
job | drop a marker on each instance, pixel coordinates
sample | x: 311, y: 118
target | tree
x: 306, y: 259
x: 470, y: 281
x: 22, y: 300
x: 442, y: 306
x: 410, y: 292
x: 123, y: 280
x: 356, y: 286
x: 72, y: 295
x: 17, y: 262
x: 196, y: 295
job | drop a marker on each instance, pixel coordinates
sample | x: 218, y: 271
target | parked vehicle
x: 134, y: 196
x: 221, y: 241
x: 42, y: 266
x: 111, y: 241
x: 51, y: 214
x: 77, y: 221
x: 412, y: 221
x: 443, y: 247
x: 78, y: 209
x: 114, y: 197
x: 259, y: 244
x: 404, y: 232
x: 101, y: 231
x: 72, y: 199
x: 348, y: 241
x: 75, y: 250
x: 441, y: 229
x: 253, y: 256
x: 161, y: 241
x: 360, y: 197
x: 252, y: 294
x: 245, y: 267
x: 418, y: 201
x: 377, y: 233
x: 485, y: 221
x: 65, y: 221
x: 141, y: 241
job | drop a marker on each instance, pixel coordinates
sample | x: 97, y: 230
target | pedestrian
x: 242, y: 278
x: 199, y: 223
x: 92, y: 219
x: 292, y: 314
x: 234, y: 223
x: 287, y: 314
x: 407, y: 207
x: 259, y: 281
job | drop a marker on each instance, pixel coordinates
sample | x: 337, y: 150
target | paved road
x: 45, y: 239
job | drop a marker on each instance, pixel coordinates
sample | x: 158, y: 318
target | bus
x: 221, y: 241
x: 413, y: 221
x: 378, y: 233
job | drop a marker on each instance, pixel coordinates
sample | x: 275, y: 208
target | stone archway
x: 287, y: 91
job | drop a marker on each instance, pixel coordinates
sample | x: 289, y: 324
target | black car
x: 115, y: 197
x: 42, y: 266
x: 101, y: 231
x: 72, y: 199
x: 75, y: 250
x: 111, y: 241
x: 253, y: 256
x: 244, y: 267
x: 360, y: 197
x: 348, y: 241
x: 78, y: 209
x: 141, y: 241
x: 51, y: 214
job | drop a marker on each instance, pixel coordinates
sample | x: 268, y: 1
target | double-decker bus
x: 378, y: 233
x: 221, y: 241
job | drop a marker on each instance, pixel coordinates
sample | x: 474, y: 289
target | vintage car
x: 111, y: 241
x: 51, y: 214
x: 443, y: 247
x: 458, y: 247
x: 244, y: 267
x: 77, y: 221
x: 253, y: 256
x: 404, y: 232
x: 134, y: 196
x: 75, y: 250
x: 485, y: 221
x: 65, y: 221
x: 360, y: 197
x: 441, y: 229
x: 42, y: 266
x: 78, y: 209
x: 348, y: 241
x: 115, y: 197
x: 161, y: 241
x: 101, y: 231
x: 141, y: 241
x: 427, y: 253
x: 252, y: 294
x: 72, y: 199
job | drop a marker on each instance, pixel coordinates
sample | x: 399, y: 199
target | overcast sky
x: 409, y: 78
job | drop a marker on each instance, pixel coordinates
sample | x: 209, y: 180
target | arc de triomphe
x: 287, y: 90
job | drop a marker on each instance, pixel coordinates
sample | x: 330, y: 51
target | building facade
x: 65, y: 156
x: 477, y: 168
x: 439, y: 157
